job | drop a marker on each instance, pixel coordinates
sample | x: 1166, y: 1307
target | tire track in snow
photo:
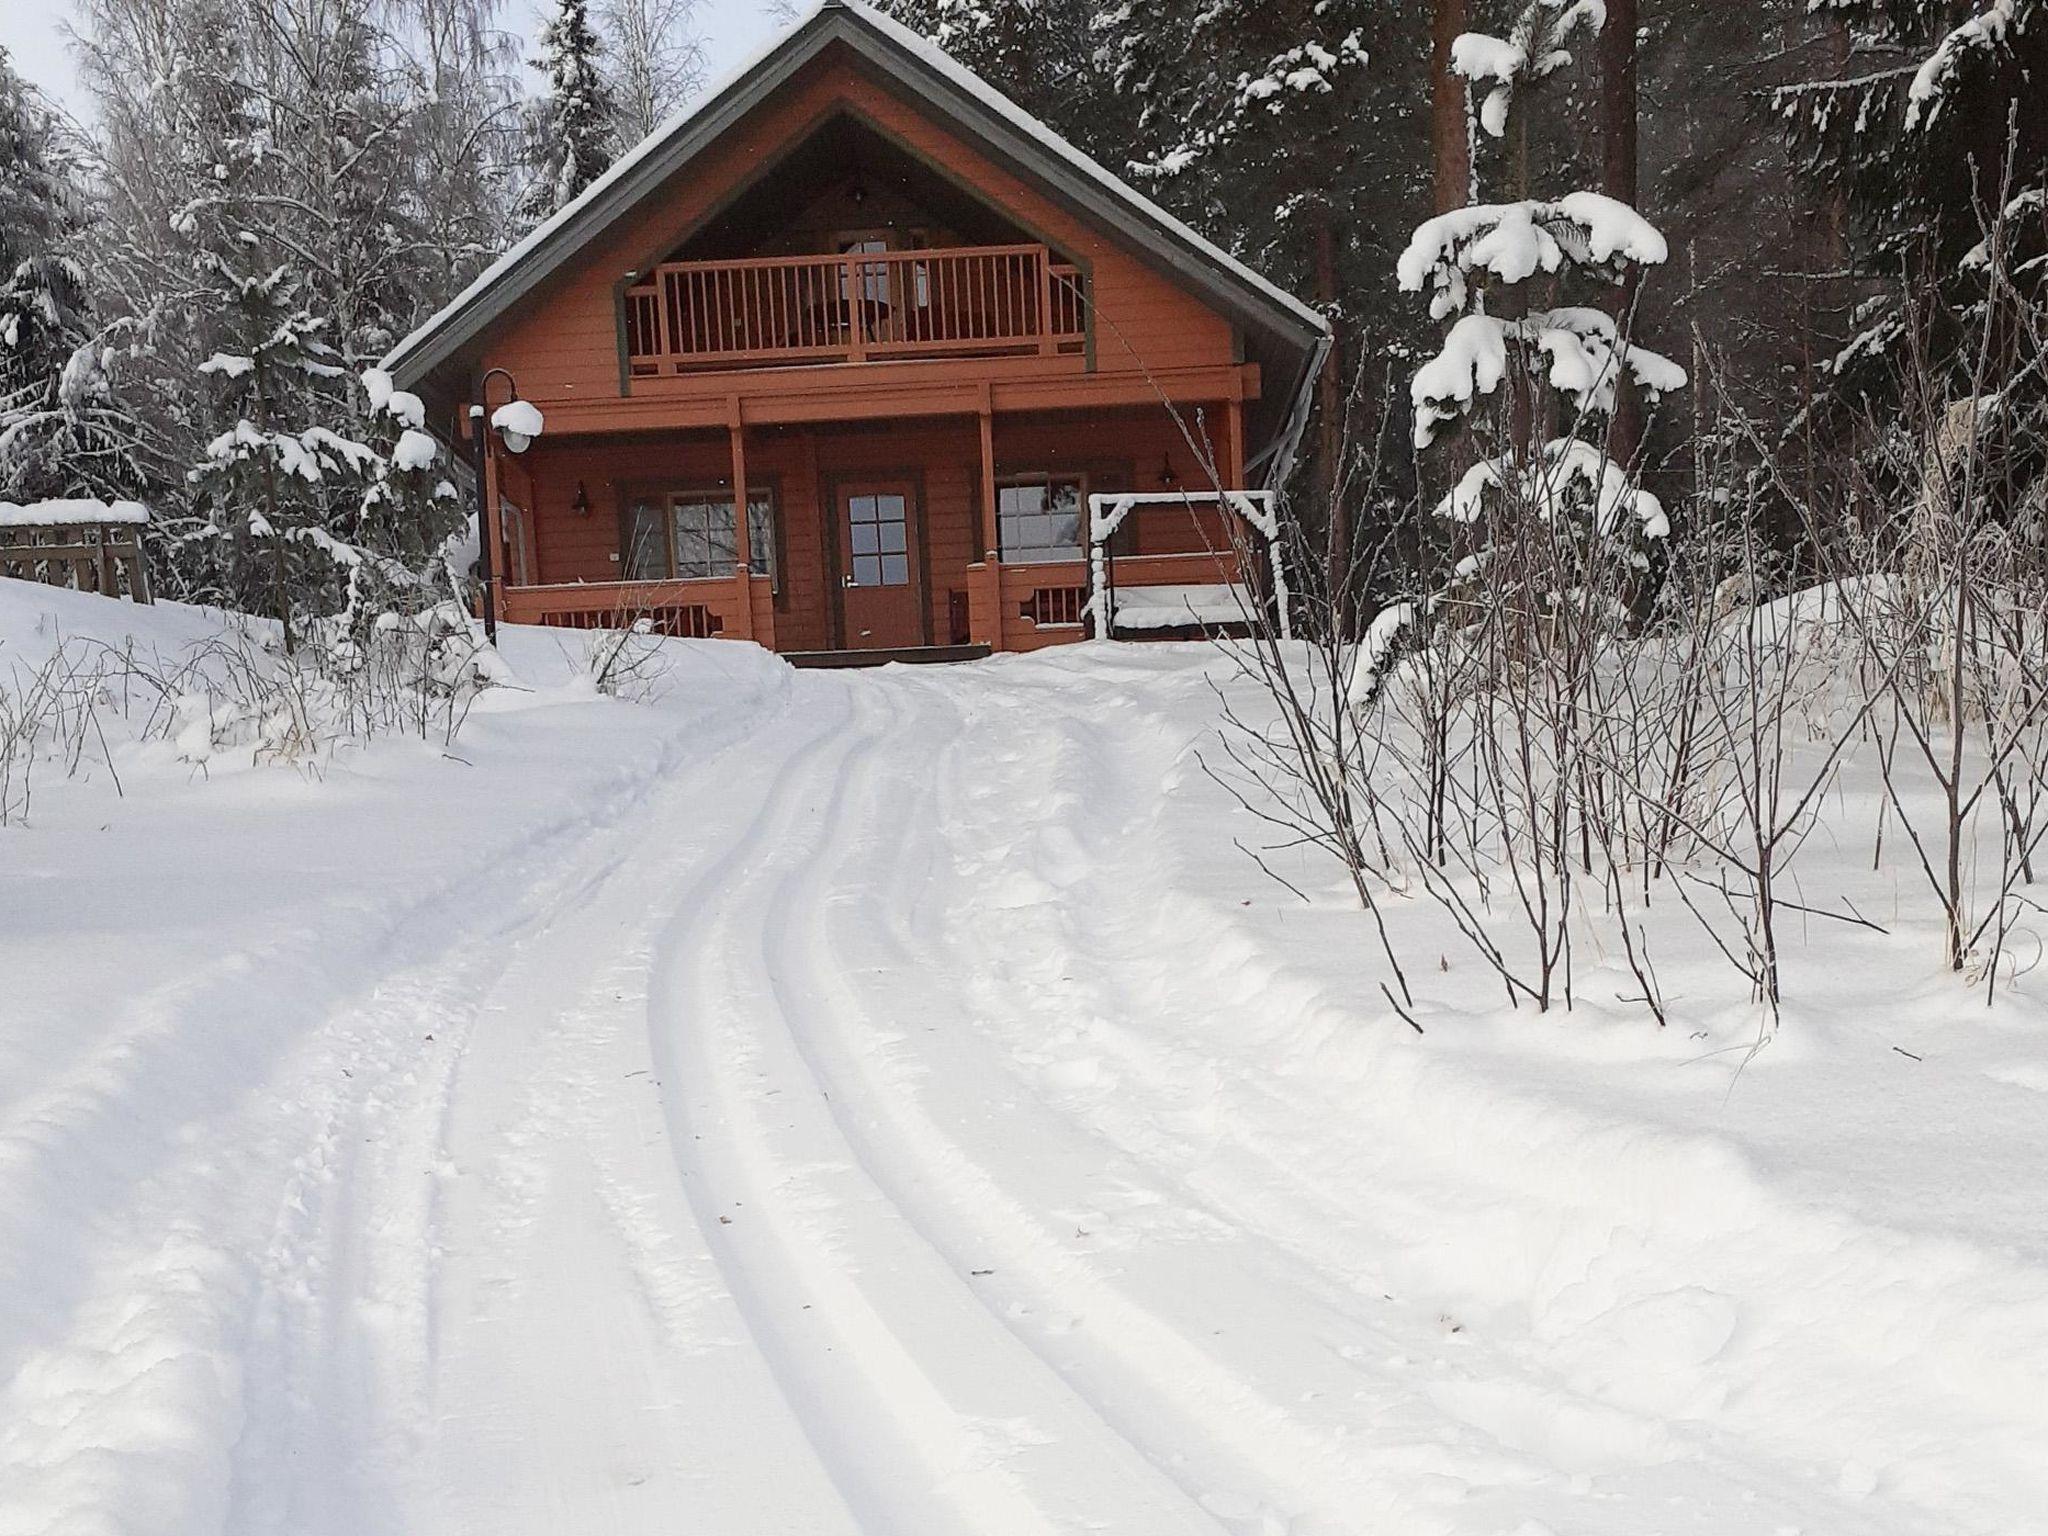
x: 599, y: 1376
x: 179, y: 1310
x: 934, y: 1415
x: 1227, y: 1439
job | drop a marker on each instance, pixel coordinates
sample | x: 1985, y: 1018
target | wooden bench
x: 85, y: 544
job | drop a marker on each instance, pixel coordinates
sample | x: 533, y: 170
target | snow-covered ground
x: 889, y: 1103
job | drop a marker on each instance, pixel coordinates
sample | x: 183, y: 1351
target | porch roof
x: 1292, y: 335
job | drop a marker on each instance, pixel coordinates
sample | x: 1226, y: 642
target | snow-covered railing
x: 75, y: 541
x: 1201, y: 603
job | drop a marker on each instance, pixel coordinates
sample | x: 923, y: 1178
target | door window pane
x: 878, y: 546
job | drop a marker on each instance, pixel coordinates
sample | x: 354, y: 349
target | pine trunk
x: 1330, y: 426
x: 1620, y: 176
x: 1450, y: 125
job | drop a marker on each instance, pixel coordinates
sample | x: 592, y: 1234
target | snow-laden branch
x: 1570, y: 477
x: 1533, y: 50
x: 1584, y: 348
x: 1986, y: 32
x: 1512, y: 242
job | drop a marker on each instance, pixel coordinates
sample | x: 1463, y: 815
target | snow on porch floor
x: 887, y: 1103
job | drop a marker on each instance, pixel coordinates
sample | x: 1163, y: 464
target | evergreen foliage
x: 575, y: 128
x: 1930, y: 130
x: 62, y: 430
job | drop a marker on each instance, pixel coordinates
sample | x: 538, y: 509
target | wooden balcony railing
x: 976, y: 301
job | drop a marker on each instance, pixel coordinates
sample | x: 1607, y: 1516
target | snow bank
x: 234, y: 1005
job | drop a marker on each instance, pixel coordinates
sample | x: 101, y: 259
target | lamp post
x: 486, y: 540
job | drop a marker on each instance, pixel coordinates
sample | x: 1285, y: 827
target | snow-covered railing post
x: 1106, y: 514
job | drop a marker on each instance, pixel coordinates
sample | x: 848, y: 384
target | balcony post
x: 856, y: 309
x: 1047, y: 345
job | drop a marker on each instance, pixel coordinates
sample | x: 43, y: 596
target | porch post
x: 742, y: 535
x: 1233, y: 446
x: 990, y: 538
x: 985, y: 577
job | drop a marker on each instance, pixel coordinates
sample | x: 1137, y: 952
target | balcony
x: 975, y: 301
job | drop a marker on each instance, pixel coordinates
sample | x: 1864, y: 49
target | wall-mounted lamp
x: 1167, y: 478
x: 858, y: 193
x: 581, y: 505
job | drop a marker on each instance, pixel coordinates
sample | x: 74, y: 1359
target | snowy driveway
x: 885, y: 1103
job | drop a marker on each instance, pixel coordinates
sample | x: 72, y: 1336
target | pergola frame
x: 1107, y: 512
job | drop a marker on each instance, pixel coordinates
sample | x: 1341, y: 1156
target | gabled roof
x: 954, y: 95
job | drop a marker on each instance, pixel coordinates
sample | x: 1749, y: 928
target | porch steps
x: 911, y: 655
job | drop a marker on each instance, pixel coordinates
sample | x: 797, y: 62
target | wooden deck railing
x: 976, y: 301
x: 704, y: 609
x: 92, y: 557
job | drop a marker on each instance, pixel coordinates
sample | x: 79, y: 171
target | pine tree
x: 1537, y: 379
x: 337, y: 173
x: 574, y: 134
x: 263, y: 477
x: 1267, y: 124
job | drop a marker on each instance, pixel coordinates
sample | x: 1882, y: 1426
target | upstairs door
x: 882, y: 602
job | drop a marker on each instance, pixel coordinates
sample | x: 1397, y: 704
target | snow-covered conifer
x: 63, y: 431
x: 1539, y: 377
x: 574, y: 134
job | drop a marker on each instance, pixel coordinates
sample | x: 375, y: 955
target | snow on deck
x: 1175, y: 607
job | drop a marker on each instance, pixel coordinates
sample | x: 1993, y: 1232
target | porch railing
x: 975, y: 301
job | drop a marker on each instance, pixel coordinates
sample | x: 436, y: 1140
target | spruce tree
x: 574, y: 134
x: 62, y: 432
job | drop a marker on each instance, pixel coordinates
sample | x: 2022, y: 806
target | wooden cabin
x: 912, y: 332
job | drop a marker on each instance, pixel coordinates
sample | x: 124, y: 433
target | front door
x: 883, y: 606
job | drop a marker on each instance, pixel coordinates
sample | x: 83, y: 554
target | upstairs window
x: 690, y: 535
x: 1039, y: 518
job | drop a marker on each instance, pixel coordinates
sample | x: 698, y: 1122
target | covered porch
x: 944, y: 535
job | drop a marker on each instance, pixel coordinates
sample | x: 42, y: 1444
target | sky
x: 32, y: 33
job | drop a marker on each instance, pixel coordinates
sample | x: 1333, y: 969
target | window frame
x: 766, y: 552
x: 1081, y: 481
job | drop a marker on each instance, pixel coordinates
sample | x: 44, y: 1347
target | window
x: 1039, y: 518
x: 879, y: 528
x: 874, y: 275
x: 689, y: 536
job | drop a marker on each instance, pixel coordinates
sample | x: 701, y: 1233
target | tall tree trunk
x: 1450, y: 129
x: 1330, y: 425
x: 1619, y: 179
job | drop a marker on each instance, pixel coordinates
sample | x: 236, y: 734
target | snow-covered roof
x: 1118, y: 208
